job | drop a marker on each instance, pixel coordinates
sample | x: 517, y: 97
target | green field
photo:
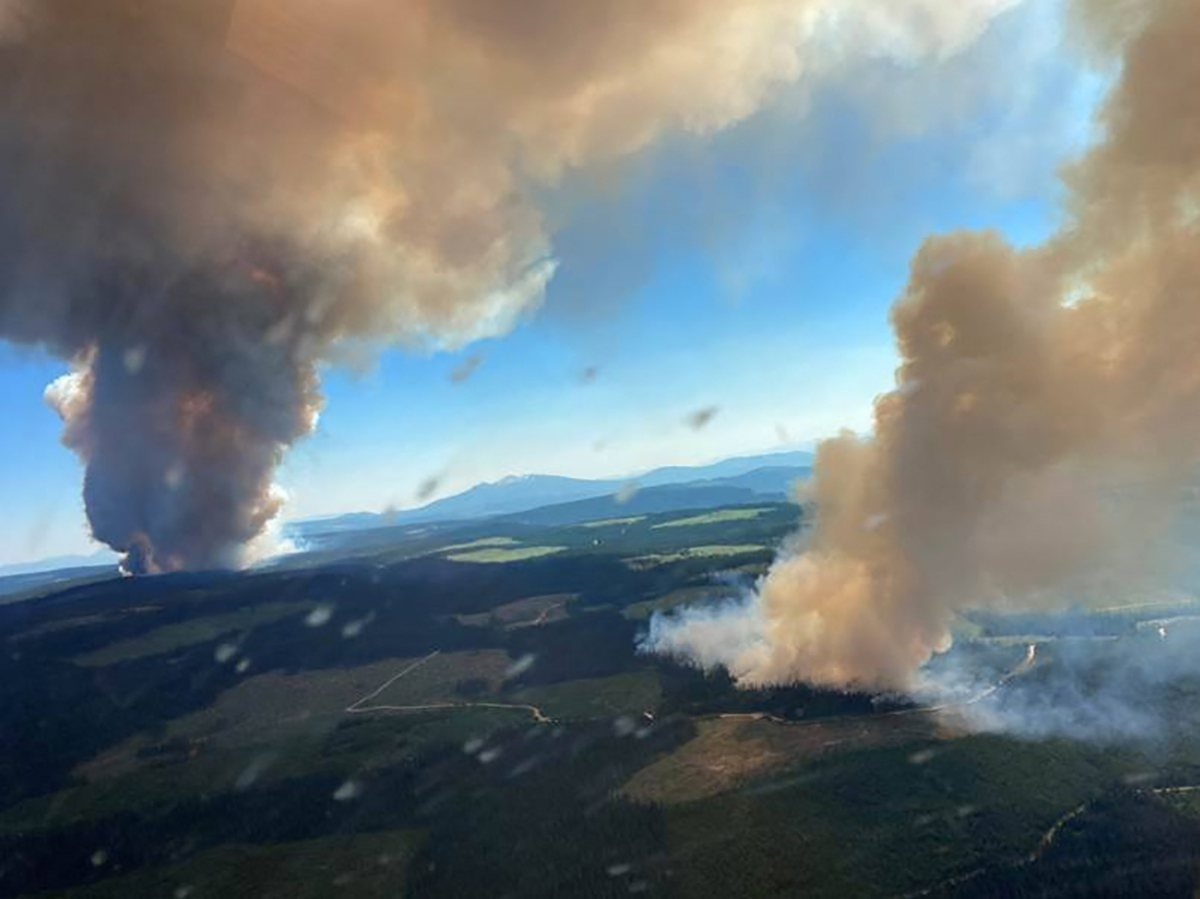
x: 613, y: 522
x: 481, y: 543
x: 629, y: 694
x: 64, y: 624
x: 716, y: 551
x: 500, y: 555
x: 343, y: 746
x: 366, y: 865
x: 276, y: 707
x: 533, y: 610
x: 438, y: 678
x: 194, y: 630
x: 877, y: 823
x: 720, y: 516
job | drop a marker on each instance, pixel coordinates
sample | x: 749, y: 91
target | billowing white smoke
x: 1045, y: 418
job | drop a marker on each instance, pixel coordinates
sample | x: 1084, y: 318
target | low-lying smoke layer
x: 203, y: 199
x: 1045, y: 418
x: 1136, y: 688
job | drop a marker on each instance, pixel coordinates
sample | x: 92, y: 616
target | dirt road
x: 357, y: 707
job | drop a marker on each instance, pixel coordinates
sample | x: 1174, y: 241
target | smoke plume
x: 204, y: 200
x: 1045, y: 417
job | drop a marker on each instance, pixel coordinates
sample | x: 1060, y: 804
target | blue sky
x: 752, y: 273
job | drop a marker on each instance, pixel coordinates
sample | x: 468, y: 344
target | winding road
x: 1043, y: 844
x: 357, y: 707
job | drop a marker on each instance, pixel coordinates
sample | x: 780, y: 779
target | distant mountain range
x: 698, y: 495
x: 57, y: 563
x: 530, y: 499
x: 729, y: 481
x: 56, y: 577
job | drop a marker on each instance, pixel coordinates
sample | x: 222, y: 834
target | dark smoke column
x: 137, y: 240
x: 181, y: 433
x: 203, y: 200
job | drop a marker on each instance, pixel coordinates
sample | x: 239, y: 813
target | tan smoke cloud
x: 13, y: 16
x: 1045, y: 417
x: 225, y: 192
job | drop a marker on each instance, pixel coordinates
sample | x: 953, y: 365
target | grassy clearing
x: 54, y: 585
x: 717, y: 517
x: 481, y: 543
x: 500, y: 555
x: 65, y: 624
x: 612, y: 522
x: 271, y: 708
x: 163, y: 783
x: 437, y: 679
x: 629, y: 694
x: 528, y: 612
x: 195, y: 630
x: 730, y: 751
x: 883, y: 821
x: 367, y: 865
x: 694, y: 552
x: 641, y: 611
x: 346, y: 746
x: 261, y: 710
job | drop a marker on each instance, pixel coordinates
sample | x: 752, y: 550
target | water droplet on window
x: 463, y: 371
x: 253, y: 771
x: 525, y: 766
x: 173, y: 477
x: 627, y: 492
x: 702, y: 417
x: 134, y: 358
x: 520, y: 666
x: 319, y: 616
x: 874, y: 522
x: 353, y: 628
x: 351, y: 789
x: 428, y: 487
x: 1136, y: 778
x: 624, y: 726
